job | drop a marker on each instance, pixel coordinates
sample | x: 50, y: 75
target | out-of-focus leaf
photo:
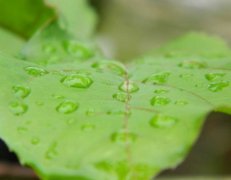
x: 100, y: 120
x: 10, y: 43
x: 24, y: 17
x: 76, y: 16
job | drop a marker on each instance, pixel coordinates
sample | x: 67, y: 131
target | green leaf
x: 10, y: 43
x: 54, y: 45
x: 100, y: 120
x: 24, y: 17
x: 76, y: 16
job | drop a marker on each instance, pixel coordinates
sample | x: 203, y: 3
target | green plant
x: 69, y: 113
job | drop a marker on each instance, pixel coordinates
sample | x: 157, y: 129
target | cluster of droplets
x: 192, y: 64
x: 216, y: 82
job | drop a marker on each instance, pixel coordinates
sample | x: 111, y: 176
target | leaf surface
x: 101, y: 120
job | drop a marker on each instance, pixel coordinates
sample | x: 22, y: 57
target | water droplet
x: 214, y: 76
x: 39, y: 103
x: 87, y: 127
x: 123, y: 137
x: 122, y: 97
x: 158, y: 78
x: 57, y: 96
x: 51, y: 153
x: 129, y: 87
x: 181, y: 102
x: 186, y: 75
x: 77, y: 81
x: 36, y: 71
x: 49, y: 49
x: 90, y: 112
x: 218, y: 86
x: 67, y: 107
x: 35, y: 141
x: 113, y: 66
x: 18, y: 108
x: 70, y: 121
x: 193, y: 64
x: 22, y: 129
x: 161, y: 91
x: 164, y: 121
x: 159, y: 100
x: 21, y: 91
x: 78, y: 50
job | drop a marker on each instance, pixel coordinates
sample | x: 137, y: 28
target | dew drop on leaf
x: 77, y: 81
x: 35, y: 71
x: 110, y: 65
x: 218, y: 86
x: 67, y: 107
x: 18, y: 108
x: 159, y: 100
x: 22, y: 129
x: 90, y: 112
x: 121, y: 96
x: 129, y: 87
x: 49, y: 48
x: 181, y: 102
x: 158, y: 78
x: 160, y: 91
x: 193, y: 64
x: 87, y: 127
x: 160, y: 121
x: 21, y: 91
x: 35, y: 141
x: 214, y: 76
x: 51, y: 152
x: 123, y: 137
x: 70, y: 121
x: 78, y: 50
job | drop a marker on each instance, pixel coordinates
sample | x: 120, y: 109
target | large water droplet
x: 21, y: 91
x: 78, y: 50
x: 77, y: 81
x: 113, y: 66
x: 87, y: 127
x: 67, y: 107
x: 160, y: 100
x: 193, y: 64
x: 123, y: 137
x: 122, y: 97
x: 160, y: 120
x: 18, y: 108
x: 129, y: 87
x: 36, y: 71
x: 218, y: 86
x: 214, y: 76
x: 158, y: 78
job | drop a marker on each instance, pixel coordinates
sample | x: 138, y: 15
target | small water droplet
x: 164, y: 121
x: 90, y: 112
x: 181, y: 102
x: 218, y: 86
x: 57, y: 96
x: 161, y: 91
x: 193, y: 64
x: 39, y: 103
x: 87, y: 127
x: 113, y: 66
x: 35, y: 141
x: 51, y: 153
x: 123, y: 137
x: 67, y: 107
x: 22, y: 129
x: 121, y: 96
x: 158, y: 78
x: 77, y: 81
x: 129, y: 87
x: 70, y: 121
x: 159, y: 100
x: 78, y: 50
x: 214, y: 76
x: 21, y: 91
x: 36, y: 71
x: 18, y: 108
x: 49, y: 48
